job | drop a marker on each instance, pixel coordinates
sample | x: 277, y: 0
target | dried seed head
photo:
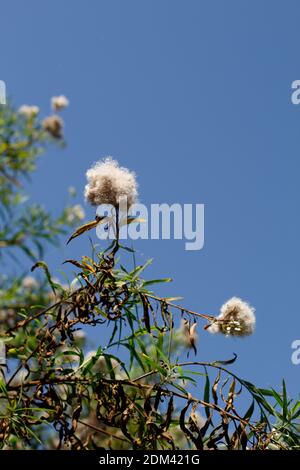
x: 54, y: 125
x: 237, y: 318
x: 108, y: 183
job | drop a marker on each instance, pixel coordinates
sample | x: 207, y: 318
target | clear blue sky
x: 195, y: 97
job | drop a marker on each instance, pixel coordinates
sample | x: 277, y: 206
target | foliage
x: 25, y: 226
x: 134, y: 391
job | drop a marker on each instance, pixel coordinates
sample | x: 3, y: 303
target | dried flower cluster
x: 29, y: 111
x: 75, y: 213
x: 237, y: 318
x: 54, y: 125
x: 59, y: 102
x: 108, y: 183
x: 29, y: 283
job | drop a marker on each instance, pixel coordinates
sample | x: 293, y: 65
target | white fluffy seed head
x: 79, y: 337
x: 29, y: 111
x: 75, y: 214
x: 237, y: 318
x: 29, y: 283
x: 59, y: 102
x: 108, y: 183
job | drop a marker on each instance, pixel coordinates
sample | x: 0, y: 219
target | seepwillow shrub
x: 134, y: 391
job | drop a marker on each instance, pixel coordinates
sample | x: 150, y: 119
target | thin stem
x: 103, y: 432
x: 183, y: 309
x: 23, y: 323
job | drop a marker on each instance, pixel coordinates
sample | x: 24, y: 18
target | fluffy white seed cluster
x: 59, y: 102
x: 100, y: 365
x: 108, y: 183
x: 54, y: 125
x: 29, y: 111
x: 75, y: 214
x: 7, y: 315
x: 237, y: 318
x: 79, y: 337
x: 29, y: 283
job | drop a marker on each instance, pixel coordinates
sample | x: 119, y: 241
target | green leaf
x: 157, y: 281
x: 284, y: 401
x: 250, y: 411
x: 154, y: 365
x: 43, y: 265
x: 134, y: 355
x: 139, y: 269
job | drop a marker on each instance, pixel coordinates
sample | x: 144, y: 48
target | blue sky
x: 195, y: 97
